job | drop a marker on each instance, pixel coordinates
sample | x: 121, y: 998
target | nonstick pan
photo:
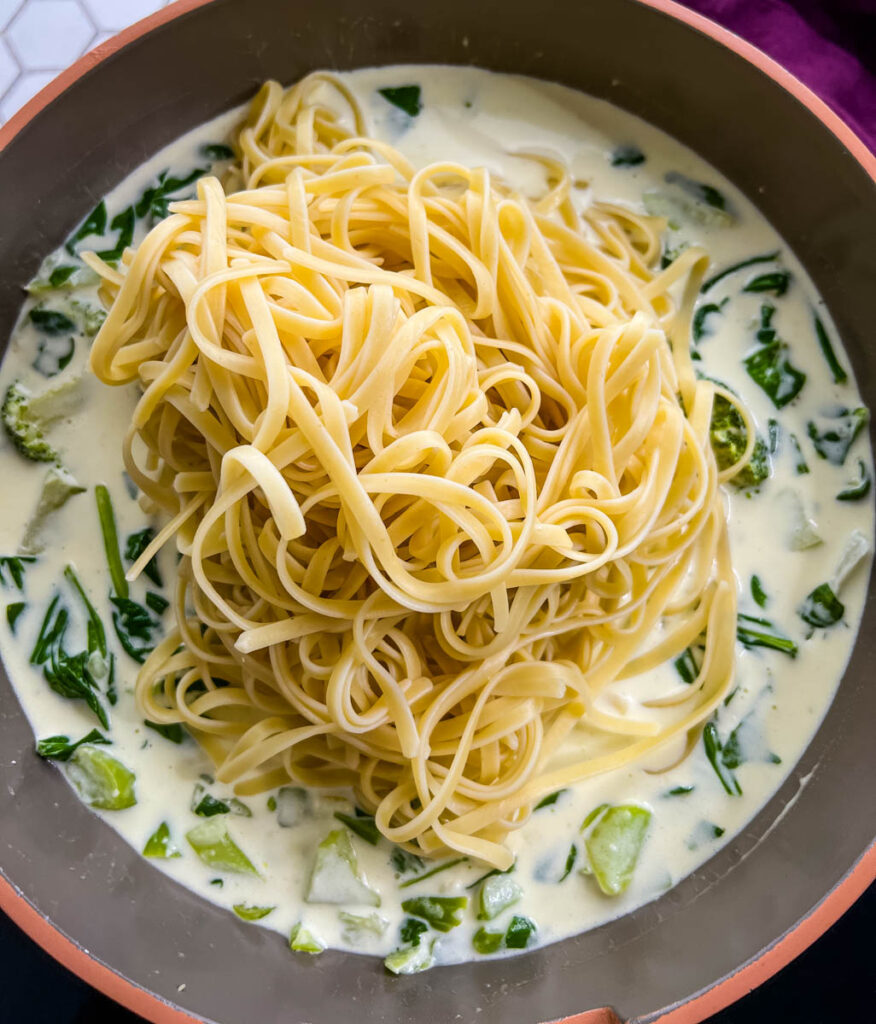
x: 91, y: 900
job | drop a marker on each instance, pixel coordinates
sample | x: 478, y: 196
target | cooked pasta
x: 437, y: 465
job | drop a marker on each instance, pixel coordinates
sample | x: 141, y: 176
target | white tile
x: 9, y: 70
x: 49, y: 34
x: 118, y: 14
x: 27, y: 86
x: 7, y: 9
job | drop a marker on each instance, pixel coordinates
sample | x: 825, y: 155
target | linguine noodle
x: 437, y: 466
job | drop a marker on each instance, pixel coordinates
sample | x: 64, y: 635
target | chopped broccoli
x: 23, y: 430
x: 729, y: 438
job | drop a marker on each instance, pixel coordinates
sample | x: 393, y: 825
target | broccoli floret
x: 729, y: 437
x: 23, y: 429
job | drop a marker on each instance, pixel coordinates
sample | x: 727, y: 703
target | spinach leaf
x: 134, y: 627
x: 156, y: 602
x: 858, y: 488
x: 821, y: 608
x: 94, y: 224
x: 60, y: 748
x: 519, y: 932
x: 155, y: 200
x: 699, y: 328
x: 208, y: 806
x: 14, y: 565
x: 13, y: 611
x: 834, y: 435
x: 703, y: 193
x: 442, y: 912
x: 776, y: 282
x: 770, y: 368
x: 774, y: 433
x: 412, y: 930
x: 714, y: 751
x: 627, y: 156
x: 687, y: 666
x: 107, y: 518
x: 571, y: 857
x: 51, y: 322
x: 729, y: 437
x: 679, y: 791
x: 60, y: 275
x: 362, y: 824
x: 172, y: 731
x: 405, y: 97
x: 708, y: 284
x: 217, y: 151
x: 403, y: 862
x: 123, y: 223
x: 766, y: 636
x: 757, y: 592
x: 135, y: 545
x: 549, y: 800
x: 837, y: 372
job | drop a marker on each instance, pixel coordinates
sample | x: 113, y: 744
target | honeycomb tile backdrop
x: 39, y: 38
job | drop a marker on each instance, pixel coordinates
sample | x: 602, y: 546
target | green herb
x: 434, y: 871
x: 821, y: 608
x: 23, y: 428
x: 101, y: 780
x: 687, y: 667
x: 549, y: 800
x: 627, y: 156
x: 123, y: 223
x: 766, y: 636
x: 217, y: 151
x: 14, y: 565
x: 770, y: 368
x: 13, y: 611
x: 859, y: 487
x: 714, y: 750
x: 60, y: 275
x: 51, y: 322
x: 60, y: 748
x: 773, y: 433
x: 218, y: 882
x: 497, y: 894
x: 208, y: 806
x: 92, y: 316
x: 776, y: 282
x: 715, y: 278
x: 134, y: 627
x: 155, y: 199
x: 272, y: 803
x: 302, y: 940
x: 679, y: 791
x: 412, y: 930
x: 729, y: 439
x: 403, y: 862
x: 593, y: 815
x: 212, y: 842
x: 614, y: 845
x: 571, y: 857
x: 837, y: 372
x: 699, y: 191
x: 135, y: 545
x: 410, y: 960
x: 442, y: 912
x: 485, y: 942
x: 700, y: 328
x: 110, y: 540
x: 405, y: 97
x: 363, y: 825
x: 159, y: 845
x: 834, y: 435
x: 758, y: 593
x: 800, y: 464
x: 156, y: 602
x: 669, y: 255
x: 95, y: 632
x: 248, y: 913
x: 335, y: 877
x: 766, y: 332
x: 519, y: 932
x: 94, y: 224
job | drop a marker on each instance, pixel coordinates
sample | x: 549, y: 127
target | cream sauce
x: 478, y: 118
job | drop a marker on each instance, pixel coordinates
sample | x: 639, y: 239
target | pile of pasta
x: 437, y: 466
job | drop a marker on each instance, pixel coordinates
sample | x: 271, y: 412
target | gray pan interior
x: 96, y: 889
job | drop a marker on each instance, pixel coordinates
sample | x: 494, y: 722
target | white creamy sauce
x: 477, y: 118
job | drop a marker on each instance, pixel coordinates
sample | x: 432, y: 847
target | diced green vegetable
x: 593, y: 815
x: 442, y: 912
x: 51, y: 322
x: 549, y: 800
x: 771, y: 369
x: 699, y: 328
x: 405, y: 97
x: 403, y: 861
x: 291, y: 805
x: 776, y: 282
x: 412, y: 930
x: 679, y: 791
x: 362, y: 824
x: 434, y: 871
x: 134, y: 627
x: 614, y: 844
x: 92, y: 316
x: 821, y: 608
x: 520, y: 931
x: 709, y: 283
x: 13, y: 611
x: 837, y: 372
x: 358, y: 928
x: 729, y: 438
x: 497, y: 894
x: 272, y: 803
x: 208, y: 806
x: 248, y: 913
x: 335, y: 877
x: 159, y: 844
x: 100, y: 779
x: 758, y: 593
x: 135, y: 545
x: 411, y: 959
x: 23, y: 430
x: 212, y: 842
x: 627, y: 155
x: 302, y: 940
x: 765, y: 636
x: 705, y: 832
x: 172, y: 731
x: 855, y: 550
x: 61, y: 748
x: 714, y: 750
x: 834, y: 435
x: 571, y: 857
x: 485, y: 942
x: 14, y: 565
x: 58, y: 488
x: 217, y: 151
x: 858, y: 488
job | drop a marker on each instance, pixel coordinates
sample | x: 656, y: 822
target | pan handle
x: 604, y: 1015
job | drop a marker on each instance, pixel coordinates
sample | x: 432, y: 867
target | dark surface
x: 832, y: 981
x: 95, y: 887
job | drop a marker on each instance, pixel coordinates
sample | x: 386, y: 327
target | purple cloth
x: 829, y: 45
